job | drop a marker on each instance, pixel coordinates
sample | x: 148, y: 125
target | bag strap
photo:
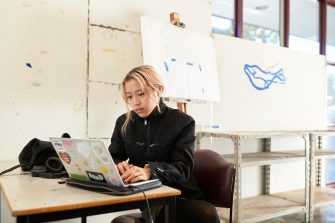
x: 10, y: 169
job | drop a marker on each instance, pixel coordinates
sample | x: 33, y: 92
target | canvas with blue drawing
x: 262, y: 79
x: 186, y: 60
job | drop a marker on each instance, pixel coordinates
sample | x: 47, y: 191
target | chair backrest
x: 215, y: 177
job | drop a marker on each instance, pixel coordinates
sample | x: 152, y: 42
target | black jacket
x: 165, y: 140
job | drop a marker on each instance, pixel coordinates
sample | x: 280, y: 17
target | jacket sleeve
x: 117, y: 147
x: 180, y: 168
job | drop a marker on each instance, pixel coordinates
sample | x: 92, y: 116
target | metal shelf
x: 268, y: 158
x: 321, y: 196
x: 268, y: 206
x: 324, y: 154
x: 263, y: 207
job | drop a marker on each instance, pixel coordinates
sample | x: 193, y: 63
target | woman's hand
x: 123, y: 167
x: 135, y: 174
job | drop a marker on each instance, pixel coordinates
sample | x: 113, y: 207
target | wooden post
x: 182, y: 106
x: 174, y: 20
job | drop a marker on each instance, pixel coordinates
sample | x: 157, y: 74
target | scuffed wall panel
x: 105, y: 104
x: 113, y: 53
x: 125, y: 14
x: 42, y: 71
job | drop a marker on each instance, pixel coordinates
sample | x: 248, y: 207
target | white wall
x: 50, y: 97
x: 78, y: 51
x: 76, y: 68
x: 72, y: 85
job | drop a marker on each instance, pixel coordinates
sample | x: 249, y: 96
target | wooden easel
x: 174, y: 20
x: 182, y: 106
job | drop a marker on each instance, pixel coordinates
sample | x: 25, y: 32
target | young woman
x: 154, y: 141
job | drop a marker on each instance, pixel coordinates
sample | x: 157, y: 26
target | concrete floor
x: 321, y: 215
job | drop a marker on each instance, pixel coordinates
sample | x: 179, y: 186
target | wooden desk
x: 33, y: 199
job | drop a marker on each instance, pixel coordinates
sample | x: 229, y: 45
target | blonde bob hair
x: 146, y: 76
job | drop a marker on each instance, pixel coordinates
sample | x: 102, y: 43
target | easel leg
x: 181, y: 106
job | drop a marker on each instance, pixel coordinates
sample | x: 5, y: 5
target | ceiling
x: 304, y: 15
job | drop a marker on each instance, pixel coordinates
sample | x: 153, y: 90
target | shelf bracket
x: 266, y: 147
x: 238, y: 185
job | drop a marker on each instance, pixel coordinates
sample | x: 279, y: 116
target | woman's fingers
x: 128, y: 175
x: 133, y: 175
x: 137, y: 178
x: 123, y: 166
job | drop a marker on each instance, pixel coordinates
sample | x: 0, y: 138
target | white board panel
x: 105, y: 105
x: 43, y: 71
x: 113, y: 54
x: 185, y: 59
x: 267, y: 87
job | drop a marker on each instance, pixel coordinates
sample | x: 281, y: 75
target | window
x: 222, y: 26
x: 330, y: 34
x: 330, y: 70
x: 223, y: 17
x: 330, y: 51
x: 304, y: 26
x: 261, y: 21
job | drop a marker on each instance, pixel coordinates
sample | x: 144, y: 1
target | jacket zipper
x: 148, y: 133
x: 146, y: 123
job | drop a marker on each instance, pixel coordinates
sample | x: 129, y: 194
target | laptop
x: 89, y: 160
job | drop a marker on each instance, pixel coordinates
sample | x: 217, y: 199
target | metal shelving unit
x: 266, y: 206
x: 321, y: 196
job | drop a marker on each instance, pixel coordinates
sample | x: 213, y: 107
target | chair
x: 215, y: 177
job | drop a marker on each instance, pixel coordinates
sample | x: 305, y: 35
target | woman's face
x: 141, y: 100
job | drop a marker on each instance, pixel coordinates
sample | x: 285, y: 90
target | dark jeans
x: 191, y: 211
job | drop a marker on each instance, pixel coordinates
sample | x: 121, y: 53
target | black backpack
x: 41, y: 159
x: 36, y: 153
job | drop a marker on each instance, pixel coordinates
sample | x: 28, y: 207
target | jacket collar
x: 154, y: 115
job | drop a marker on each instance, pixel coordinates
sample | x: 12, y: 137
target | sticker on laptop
x: 65, y: 156
x: 100, y: 152
x: 94, y: 176
x: 58, y: 145
x: 84, y: 149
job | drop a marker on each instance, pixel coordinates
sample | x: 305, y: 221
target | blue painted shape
x: 173, y: 59
x: 200, y: 67
x: 262, y: 79
x: 166, y: 66
x: 189, y: 64
x: 29, y: 65
x: 215, y: 126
